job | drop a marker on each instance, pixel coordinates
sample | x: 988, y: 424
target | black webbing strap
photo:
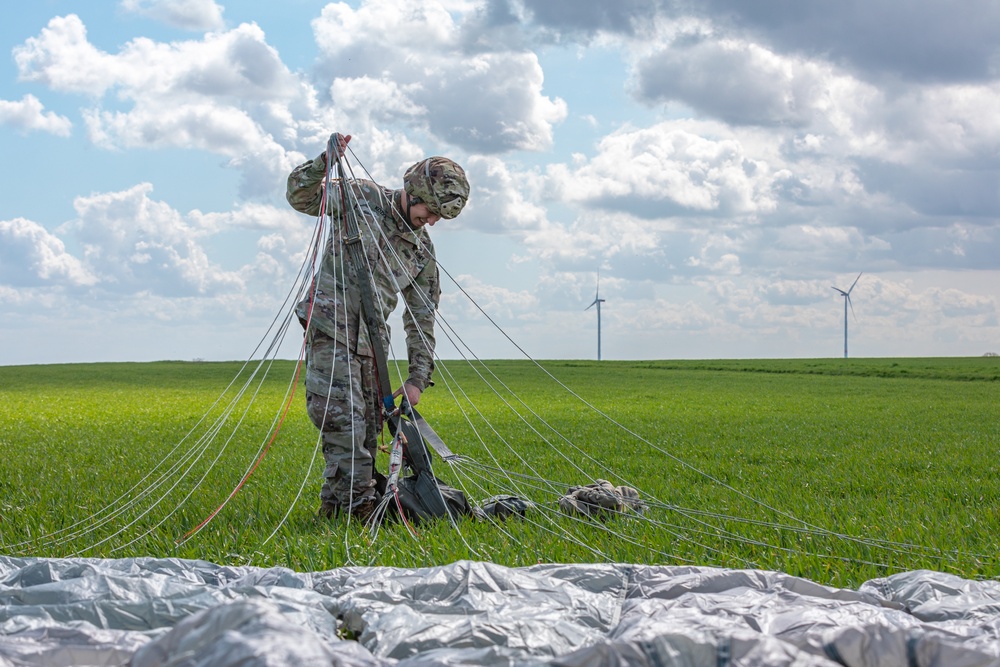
x: 352, y: 241
x: 419, y: 434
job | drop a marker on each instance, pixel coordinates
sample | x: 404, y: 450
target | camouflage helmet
x: 440, y: 183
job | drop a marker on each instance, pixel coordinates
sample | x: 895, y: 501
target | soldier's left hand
x: 412, y: 393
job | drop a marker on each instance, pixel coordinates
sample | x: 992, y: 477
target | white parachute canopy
x: 148, y: 612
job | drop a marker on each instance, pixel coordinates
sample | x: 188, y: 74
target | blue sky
x: 722, y: 166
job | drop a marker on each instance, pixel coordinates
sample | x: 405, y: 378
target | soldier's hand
x: 339, y: 142
x: 412, y: 394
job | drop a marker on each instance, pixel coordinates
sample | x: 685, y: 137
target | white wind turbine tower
x: 597, y: 302
x: 847, y: 300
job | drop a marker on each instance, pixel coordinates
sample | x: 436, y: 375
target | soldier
x: 341, y: 388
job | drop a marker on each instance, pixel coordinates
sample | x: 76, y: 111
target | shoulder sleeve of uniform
x: 305, y: 186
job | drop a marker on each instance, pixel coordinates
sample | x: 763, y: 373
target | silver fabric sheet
x: 166, y: 612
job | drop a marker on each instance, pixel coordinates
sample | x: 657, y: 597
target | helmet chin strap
x: 410, y: 202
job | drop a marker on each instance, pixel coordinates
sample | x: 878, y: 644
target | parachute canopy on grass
x: 155, y: 612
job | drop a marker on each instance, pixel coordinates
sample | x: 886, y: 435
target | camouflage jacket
x: 401, y: 261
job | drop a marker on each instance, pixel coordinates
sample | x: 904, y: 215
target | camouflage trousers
x: 341, y: 400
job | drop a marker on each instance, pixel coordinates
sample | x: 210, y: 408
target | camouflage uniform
x: 341, y: 388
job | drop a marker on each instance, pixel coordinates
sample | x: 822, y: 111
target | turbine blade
x: 848, y: 295
x: 839, y: 290
x: 593, y: 303
x: 854, y: 283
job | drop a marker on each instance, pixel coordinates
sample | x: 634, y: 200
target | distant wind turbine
x: 597, y: 302
x: 847, y: 301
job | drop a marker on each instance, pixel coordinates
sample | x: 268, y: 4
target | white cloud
x: 62, y: 59
x: 673, y: 168
x: 33, y: 256
x: 29, y: 115
x: 951, y: 125
x: 413, y: 52
x: 496, y: 300
x: 758, y: 177
x: 187, y: 14
x: 141, y: 246
x: 663, y: 314
x: 738, y: 82
x: 503, y: 200
x: 228, y: 93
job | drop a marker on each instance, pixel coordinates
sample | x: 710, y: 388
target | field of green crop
x: 836, y: 470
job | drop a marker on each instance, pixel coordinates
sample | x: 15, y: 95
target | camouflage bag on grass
x: 601, y: 500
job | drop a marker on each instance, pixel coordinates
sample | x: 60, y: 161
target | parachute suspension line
x: 468, y: 465
x: 362, y: 263
x: 817, y: 529
x: 886, y: 545
x: 336, y: 237
x: 313, y: 283
x: 193, y: 454
x: 298, y: 496
x: 520, y: 416
x: 201, y: 480
x: 308, y: 276
x: 253, y: 467
x: 707, y: 529
x: 129, y: 499
x: 465, y: 414
x: 713, y: 529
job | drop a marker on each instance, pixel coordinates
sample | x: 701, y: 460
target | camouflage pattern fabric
x: 601, y: 500
x: 340, y: 395
x: 396, y: 255
x: 341, y: 390
x: 440, y: 183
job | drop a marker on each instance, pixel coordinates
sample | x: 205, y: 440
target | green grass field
x: 836, y: 470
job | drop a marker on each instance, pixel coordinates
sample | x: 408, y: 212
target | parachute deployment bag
x: 419, y: 499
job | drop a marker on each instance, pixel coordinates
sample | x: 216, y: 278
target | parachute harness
x: 408, y: 444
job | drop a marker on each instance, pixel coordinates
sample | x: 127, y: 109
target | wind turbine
x: 847, y: 300
x: 597, y: 302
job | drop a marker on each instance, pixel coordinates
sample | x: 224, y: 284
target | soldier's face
x: 420, y: 215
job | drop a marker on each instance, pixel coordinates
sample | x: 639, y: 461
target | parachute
x: 149, y: 612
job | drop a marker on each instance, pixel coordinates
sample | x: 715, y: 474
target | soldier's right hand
x: 339, y: 142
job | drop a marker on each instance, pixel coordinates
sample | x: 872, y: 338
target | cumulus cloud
x: 228, y: 93
x: 29, y: 115
x: 493, y: 299
x: 741, y: 82
x: 33, y: 256
x: 133, y: 243
x: 920, y: 41
x: 668, y: 170
x: 486, y: 100
x: 586, y: 18
x: 186, y: 14
x: 236, y: 65
x: 503, y: 200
